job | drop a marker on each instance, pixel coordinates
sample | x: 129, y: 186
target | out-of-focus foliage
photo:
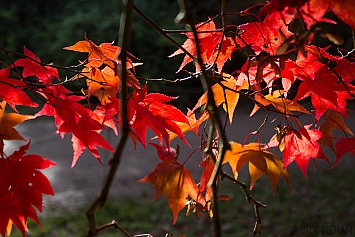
x: 45, y: 27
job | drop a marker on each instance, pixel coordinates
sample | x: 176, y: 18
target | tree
x: 284, y: 68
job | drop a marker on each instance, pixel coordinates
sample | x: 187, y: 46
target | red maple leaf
x: 343, y: 146
x: 214, y: 46
x: 208, y: 167
x: 21, y: 175
x: 300, y: 146
x: 325, y: 90
x: 62, y: 105
x: 32, y: 66
x: 164, y: 153
x: 265, y: 36
x: 311, y: 11
x: 11, y: 90
x: 72, y: 117
x: 85, y: 134
x: 345, y: 14
x: 151, y: 110
x: 280, y: 5
x: 12, y: 212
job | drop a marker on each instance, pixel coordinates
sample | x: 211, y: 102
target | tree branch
x: 124, y: 39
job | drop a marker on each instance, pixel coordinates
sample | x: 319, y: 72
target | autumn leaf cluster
x: 285, y: 73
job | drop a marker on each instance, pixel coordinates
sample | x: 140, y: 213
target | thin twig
x: 160, y: 31
x: 249, y: 199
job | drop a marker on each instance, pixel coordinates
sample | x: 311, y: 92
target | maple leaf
x: 208, y: 167
x: 260, y: 161
x: 172, y: 179
x: 12, y: 213
x: 72, y: 117
x: 300, y: 146
x: 101, y: 115
x: 102, y: 83
x: 325, y: 91
x: 22, y: 177
x: 226, y: 92
x: 334, y: 121
x: 7, y: 122
x: 164, y: 153
x: 265, y: 36
x: 254, y: 71
x: 306, y: 66
x: 11, y: 92
x: 311, y: 11
x: 344, y: 13
x: 214, y: 46
x: 32, y: 66
x: 280, y: 5
x: 343, y: 146
x: 278, y: 102
x: 151, y: 110
x: 105, y: 53
x: 85, y: 134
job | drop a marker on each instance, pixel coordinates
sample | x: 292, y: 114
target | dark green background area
x: 46, y: 27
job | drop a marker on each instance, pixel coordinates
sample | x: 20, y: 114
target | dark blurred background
x: 45, y: 27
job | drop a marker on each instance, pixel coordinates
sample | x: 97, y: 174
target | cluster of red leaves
x: 327, y: 80
x: 83, y: 121
x: 312, y: 11
x: 324, y: 78
x: 21, y: 182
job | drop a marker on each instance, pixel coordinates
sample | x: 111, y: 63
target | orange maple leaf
x: 103, y: 83
x: 7, y: 122
x: 334, y: 121
x: 260, y: 161
x: 278, y: 102
x: 172, y: 179
x: 226, y: 93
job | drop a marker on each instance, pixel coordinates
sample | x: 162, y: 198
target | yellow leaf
x: 260, y: 162
x: 226, y: 93
x: 333, y: 121
x: 281, y: 104
x: 8, y: 121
